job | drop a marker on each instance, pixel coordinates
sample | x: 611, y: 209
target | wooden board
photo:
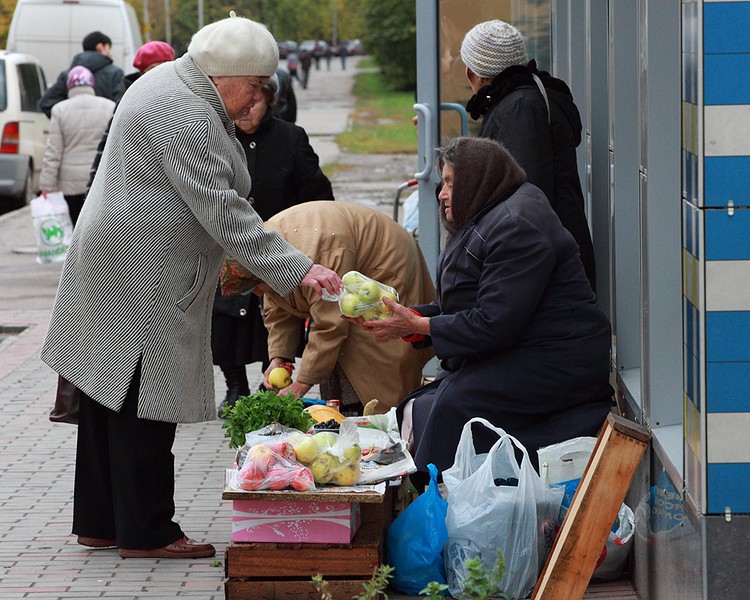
x: 278, y: 561
x: 604, y: 485
x: 290, y: 590
x: 332, y: 495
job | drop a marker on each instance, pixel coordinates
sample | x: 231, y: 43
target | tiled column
x: 716, y: 253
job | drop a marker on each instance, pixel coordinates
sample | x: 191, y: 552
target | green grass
x: 381, y: 122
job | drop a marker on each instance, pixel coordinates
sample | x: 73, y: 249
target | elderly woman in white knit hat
x: 131, y: 325
x: 533, y: 115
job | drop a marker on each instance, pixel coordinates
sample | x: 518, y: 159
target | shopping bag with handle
x: 415, y: 540
x: 495, y: 503
x: 53, y: 228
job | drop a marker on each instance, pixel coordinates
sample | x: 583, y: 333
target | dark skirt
x: 238, y: 335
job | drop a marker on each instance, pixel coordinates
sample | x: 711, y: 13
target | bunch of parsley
x: 261, y: 409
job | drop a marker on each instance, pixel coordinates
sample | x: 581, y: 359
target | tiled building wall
x: 716, y: 252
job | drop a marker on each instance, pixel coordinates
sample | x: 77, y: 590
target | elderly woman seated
x: 516, y: 326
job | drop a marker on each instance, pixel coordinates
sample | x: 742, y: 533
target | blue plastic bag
x: 415, y: 541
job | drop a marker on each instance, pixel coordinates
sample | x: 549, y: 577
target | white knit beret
x: 235, y: 47
x: 491, y: 47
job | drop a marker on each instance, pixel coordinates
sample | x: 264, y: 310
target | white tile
x: 727, y: 130
x: 727, y: 285
x: 727, y: 437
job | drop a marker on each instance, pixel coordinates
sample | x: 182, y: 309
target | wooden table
x: 261, y: 571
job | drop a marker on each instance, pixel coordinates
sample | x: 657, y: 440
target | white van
x: 53, y: 30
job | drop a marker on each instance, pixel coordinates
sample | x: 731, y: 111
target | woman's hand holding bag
x: 495, y: 503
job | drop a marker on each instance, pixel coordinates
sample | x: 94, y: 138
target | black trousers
x: 75, y: 204
x: 124, y: 477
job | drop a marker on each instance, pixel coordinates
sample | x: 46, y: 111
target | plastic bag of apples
x: 272, y: 466
x: 363, y: 297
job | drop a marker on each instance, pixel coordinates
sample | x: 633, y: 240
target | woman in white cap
x: 131, y: 324
x: 533, y: 115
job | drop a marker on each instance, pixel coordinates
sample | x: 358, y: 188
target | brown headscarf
x: 483, y: 172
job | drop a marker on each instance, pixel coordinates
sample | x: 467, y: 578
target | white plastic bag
x: 567, y: 460
x: 619, y: 542
x: 53, y: 228
x: 495, y: 503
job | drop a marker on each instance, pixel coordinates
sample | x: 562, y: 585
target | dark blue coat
x: 519, y: 334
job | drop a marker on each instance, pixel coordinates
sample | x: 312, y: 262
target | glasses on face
x: 255, y: 85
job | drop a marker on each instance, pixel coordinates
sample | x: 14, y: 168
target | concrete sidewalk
x: 38, y: 556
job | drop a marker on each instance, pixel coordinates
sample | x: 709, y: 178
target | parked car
x: 24, y: 128
x: 316, y: 48
x: 52, y: 30
x: 287, y: 47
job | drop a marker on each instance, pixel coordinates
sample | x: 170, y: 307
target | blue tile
x: 728, y: 485
x: 725, y: 178
x: 727, y: 336
x: 728, y: 387
x: 721, y: 85
x: 725, y: 26
x: 726, y: 237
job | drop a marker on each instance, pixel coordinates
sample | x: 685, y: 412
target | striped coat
x: 168, y: 200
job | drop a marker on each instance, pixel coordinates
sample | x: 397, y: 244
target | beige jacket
x: 76, y: 127
x: 347, y: 237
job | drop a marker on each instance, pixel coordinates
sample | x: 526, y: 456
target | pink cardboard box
x: 294, y: 521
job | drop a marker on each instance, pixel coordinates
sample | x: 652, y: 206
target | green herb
x: 260, y: 409
x: 373, y: 589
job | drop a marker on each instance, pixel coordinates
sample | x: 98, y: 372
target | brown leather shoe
x: 182, y: 548
x: 93, y: 542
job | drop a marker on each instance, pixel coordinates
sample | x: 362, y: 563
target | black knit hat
x: 93, y: 39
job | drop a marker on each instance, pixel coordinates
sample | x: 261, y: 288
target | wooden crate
x: 266, y: 571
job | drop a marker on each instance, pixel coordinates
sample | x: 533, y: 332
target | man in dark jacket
x: 533, y: 115
x: 108, y: 79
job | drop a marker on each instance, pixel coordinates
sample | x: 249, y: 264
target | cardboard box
x: 318, y: 522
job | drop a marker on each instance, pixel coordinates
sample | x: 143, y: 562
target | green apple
x: 368, y: 291
x: 350, y: 305
x: 325, y: 439
x: 371, y: 314
x: 352, y: 278
x: 353, y: 453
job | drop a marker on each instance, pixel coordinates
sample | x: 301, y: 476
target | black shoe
x: 237, y: 385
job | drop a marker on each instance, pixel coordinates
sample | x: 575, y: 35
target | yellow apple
x: 307, y: 450
x: 321, y: 468
x: 350, y: 305
x: 346, y: 476
x: 279, y: 378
